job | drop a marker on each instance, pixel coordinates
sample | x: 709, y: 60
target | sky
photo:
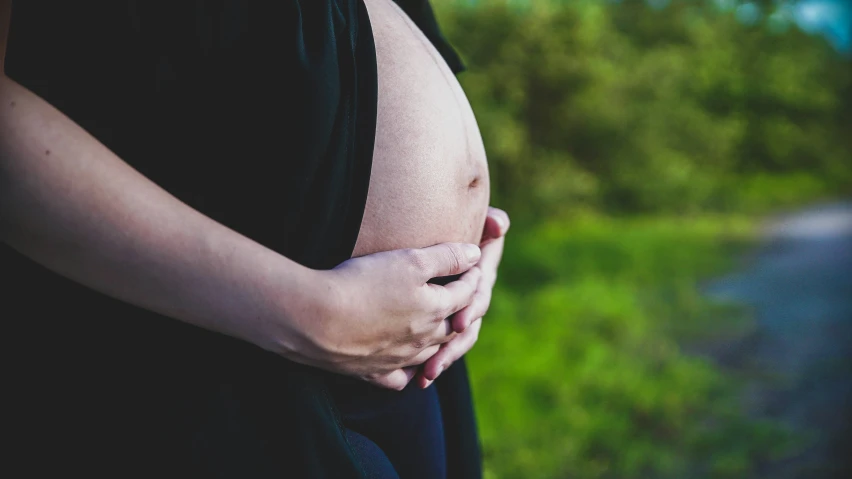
x: 830, y: 18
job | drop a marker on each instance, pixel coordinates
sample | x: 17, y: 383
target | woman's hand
x: 468, y: 321
x: 378, y: 317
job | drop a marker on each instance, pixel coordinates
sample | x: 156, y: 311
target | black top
x: 262, y: 116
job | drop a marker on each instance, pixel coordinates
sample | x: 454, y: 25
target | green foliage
x: 619, y: 107
x: 579, y: 373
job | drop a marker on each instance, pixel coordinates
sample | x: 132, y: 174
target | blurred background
x: 675, y: 299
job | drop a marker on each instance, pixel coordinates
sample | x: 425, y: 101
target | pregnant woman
x: 429, y: 185
x: 231, y: 335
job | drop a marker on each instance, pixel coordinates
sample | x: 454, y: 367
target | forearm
x: 71, y: 205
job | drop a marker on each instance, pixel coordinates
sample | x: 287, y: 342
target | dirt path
x: 799, y: 284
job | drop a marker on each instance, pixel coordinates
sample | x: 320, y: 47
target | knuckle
x: 419, y: 343
x: 455, y: 257
x: 442, y: 312
x: 471, y: 296
x: 416, y: 258
x: 411, y: 330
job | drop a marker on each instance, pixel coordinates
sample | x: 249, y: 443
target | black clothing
x: 260, y: 115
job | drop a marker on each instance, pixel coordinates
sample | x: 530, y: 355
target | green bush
x: 619, y: 107
x: 579, y: 372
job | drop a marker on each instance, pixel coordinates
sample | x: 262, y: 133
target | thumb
x: 448, y: 259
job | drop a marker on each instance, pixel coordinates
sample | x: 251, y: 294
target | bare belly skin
x: 429, y: 181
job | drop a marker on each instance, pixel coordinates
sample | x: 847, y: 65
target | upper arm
x: 5, y: 15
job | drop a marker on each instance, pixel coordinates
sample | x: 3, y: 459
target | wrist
x: 308, y: 300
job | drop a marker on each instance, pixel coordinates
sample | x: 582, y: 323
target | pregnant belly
x: 429, y: 181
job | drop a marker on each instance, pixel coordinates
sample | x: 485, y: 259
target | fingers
x: 496, y: 224
x: 501, y: 217
x: 490, y: 260
x: 422, y: 382
x: 396, y: 380
x: 447, y: 300
x: 446, y: 259
x: 448, y: 354
x: 425, y: 354
x: 399, y: 378
x: 476, y: 310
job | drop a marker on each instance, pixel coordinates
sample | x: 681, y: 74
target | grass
x: 580, y: 370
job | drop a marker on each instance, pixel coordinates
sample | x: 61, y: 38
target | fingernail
x: 472, y: 252
x: 500, y: 222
